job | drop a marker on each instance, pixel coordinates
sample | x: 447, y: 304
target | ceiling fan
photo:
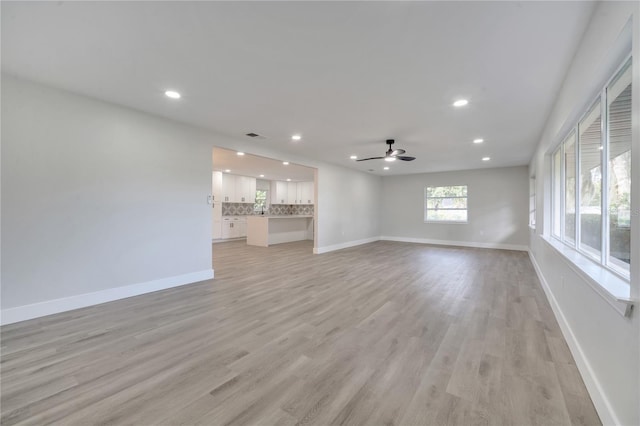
x: 391, y: 154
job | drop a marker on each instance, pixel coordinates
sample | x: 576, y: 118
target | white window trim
x: 532, y: 194
x: 609, y: 285
x: 609, y: 281
x: 445, y: 222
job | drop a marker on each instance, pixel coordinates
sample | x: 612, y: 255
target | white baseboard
x: 599, y: 398
x: 325, y: 249
x: 41, y: 309
x: 348, y: 244
x: 457, y: 243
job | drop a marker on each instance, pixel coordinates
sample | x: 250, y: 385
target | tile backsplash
x: 285, y: 209
x: 245, y: 209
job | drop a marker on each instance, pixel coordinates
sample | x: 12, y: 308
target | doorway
x: 260, y: 202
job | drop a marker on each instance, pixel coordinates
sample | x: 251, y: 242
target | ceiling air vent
x: 255, y: 135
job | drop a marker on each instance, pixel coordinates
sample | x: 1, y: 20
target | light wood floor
x: 385, y: 333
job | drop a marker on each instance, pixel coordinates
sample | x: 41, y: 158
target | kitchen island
x: 265, y: 230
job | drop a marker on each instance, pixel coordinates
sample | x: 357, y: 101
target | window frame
x: 572, y: 133
x: 533, y: 202
x: 612, y: 263
x: 603, y: 259
x: 426, y: 205
x: 557, y: 193
x: 598, y: 100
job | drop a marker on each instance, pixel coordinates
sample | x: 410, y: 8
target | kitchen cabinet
x: 216, y: 182
x: 238, y: 189
x: 228, y: 188
x: 245, y: 189
x: 279, y: 192
x: 234, y: 227
x: 216, y: 205
x: 241, y: 228
x: 305, y: 193
x: 292, y: 193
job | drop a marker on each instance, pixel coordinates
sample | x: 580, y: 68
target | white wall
x: 95, y: 196
x: 98, y: 198
x: 497, y: 208
x: 348, y: 207
x: 605, y: 344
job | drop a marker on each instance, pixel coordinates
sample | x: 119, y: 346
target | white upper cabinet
x: 245, y: 189
x: 238, y: 189
x: 279, y: 192
x: 217, y: 187
x: 305, y: 193
x: 292, y: 192
x: 228, y: 188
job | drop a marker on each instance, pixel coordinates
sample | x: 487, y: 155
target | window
x: 591, y: 179
x: 590, y: 141
x: 446, y: 204
x: 557, y: 192
x: 570, y: 189
x: 619, y: 169
x: 261, y: 200
x: 532, y: 202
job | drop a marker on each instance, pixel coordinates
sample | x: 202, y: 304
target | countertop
x: 282, y: 216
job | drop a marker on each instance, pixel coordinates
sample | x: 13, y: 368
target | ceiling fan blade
x: 372, y: 158
x: 405, y: 158
x: 397, y: 152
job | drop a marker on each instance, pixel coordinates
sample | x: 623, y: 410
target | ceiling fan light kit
x: 391, y: 154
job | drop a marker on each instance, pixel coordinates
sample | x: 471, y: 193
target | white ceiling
x: 345, y: 75
x: 253, y: 165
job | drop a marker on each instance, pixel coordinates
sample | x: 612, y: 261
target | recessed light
x: 389, y: 159
x: 486, y: 158
x: 261, y: 175
x: 240, y: 153
x: 288, y: 180
x: 354, y: 157
x: 460, y: 103
x: 600, y: 147
x: 386, y: 168
x: 172, y: 94
x: 227, y: 171
x: 286, y: 163
x: 479, y: 140
x: 296, y: 137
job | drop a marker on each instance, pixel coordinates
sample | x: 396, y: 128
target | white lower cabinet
x: 234, y: 227
x: 241, y: 228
